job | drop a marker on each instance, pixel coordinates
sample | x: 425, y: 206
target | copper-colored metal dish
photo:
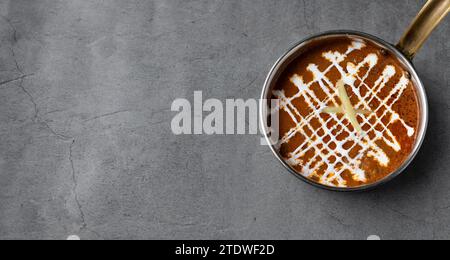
x: 427, y: 20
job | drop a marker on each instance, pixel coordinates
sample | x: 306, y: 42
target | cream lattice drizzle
x: 338, y: 160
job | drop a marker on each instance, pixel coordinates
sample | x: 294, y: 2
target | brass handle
x: 426, y: 21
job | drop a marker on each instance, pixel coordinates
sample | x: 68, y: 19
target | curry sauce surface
x: 325, y: 147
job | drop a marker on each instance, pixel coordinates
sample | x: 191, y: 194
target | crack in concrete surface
x: 75, y: 192
x: 106, y: 115
x: 36, y: 117
x: 75, y: 187
x: 38, y: 120
x: 6, y: 82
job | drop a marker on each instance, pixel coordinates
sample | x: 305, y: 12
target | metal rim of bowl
x: 420, y: 90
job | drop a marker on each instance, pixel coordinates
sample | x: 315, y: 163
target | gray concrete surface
x: 85, y: 141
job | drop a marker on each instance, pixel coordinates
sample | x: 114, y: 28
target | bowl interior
x: 302, y: 47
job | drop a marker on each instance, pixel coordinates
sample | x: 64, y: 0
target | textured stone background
x: 85, y: 140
